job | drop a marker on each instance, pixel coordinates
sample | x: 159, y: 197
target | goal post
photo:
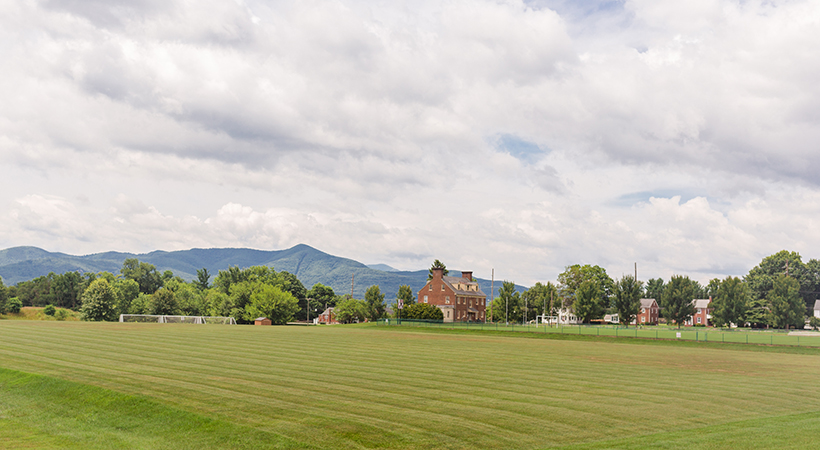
x: 162, y: 318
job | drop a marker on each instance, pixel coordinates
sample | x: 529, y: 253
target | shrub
x: 13, y: 305
x: 62, y: 314
x: 49, y: 310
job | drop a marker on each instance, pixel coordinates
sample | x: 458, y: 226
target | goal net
x: 177, y: 319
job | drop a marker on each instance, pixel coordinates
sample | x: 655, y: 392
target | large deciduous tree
x: 677, y: 299
x: 587, y: 304
x: 350, y: 310
x: 540, y: 300
x: 627, y: 298
x: 569, y: 281
x: 144, y: 274
x: 510, y: 301
x: 99, y: 302
x: 272, y: 302
x: 164, y: 302
x: 654, y: 289
x: 375, y: 302
x: 786, y: 307
x: 730, y: 302
x: 762, y: 277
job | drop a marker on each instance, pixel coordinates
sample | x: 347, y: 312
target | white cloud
x: 681, y: 137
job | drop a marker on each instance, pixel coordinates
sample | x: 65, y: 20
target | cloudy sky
x: 519, y: 136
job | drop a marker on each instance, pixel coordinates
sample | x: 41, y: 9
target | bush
x: 13, y: 305
x: 422, y: 311
x: 62, y: 314
x: 814, y: 322
x: 49, y: 310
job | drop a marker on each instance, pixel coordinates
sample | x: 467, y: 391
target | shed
x: 262, y: 321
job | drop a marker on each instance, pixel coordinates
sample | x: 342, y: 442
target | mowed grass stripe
x: 414, y: 389
x: 478, y: 413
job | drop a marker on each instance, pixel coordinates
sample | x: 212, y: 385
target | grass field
x: 112, y: 385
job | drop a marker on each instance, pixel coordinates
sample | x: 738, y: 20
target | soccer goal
x: 154, y: 318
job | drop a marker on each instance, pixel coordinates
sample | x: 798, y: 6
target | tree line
x: 244, y: 294
x: 779, y: 292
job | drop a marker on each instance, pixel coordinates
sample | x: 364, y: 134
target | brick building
x: 649, y: 313
x: 459, y: 298
x: 327, y: 317
x: 703, y: 312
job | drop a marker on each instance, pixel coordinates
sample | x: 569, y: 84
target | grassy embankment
x: 185, y: 386
x: 35, y: 313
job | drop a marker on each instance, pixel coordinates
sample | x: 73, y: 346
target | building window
x: 698, y: 319
x: 431, y: 287
x: 442, y: 288
x: 447, y: 299
x: 643, y: 319
x: 448, y: 314
x: 425, y: 299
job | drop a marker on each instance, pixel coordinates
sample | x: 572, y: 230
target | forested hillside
x: 310, y: 265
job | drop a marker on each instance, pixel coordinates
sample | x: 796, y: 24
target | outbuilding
x: 262, y: 321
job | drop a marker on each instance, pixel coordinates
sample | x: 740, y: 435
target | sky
x: 518, y: 137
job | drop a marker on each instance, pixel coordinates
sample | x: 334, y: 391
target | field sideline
x: 112, y: 385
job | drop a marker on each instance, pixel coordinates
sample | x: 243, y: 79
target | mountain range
x: 310, y: 265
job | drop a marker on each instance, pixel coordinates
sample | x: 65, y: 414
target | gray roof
x: 817, y: 305
x: 701, y: 303
x: 453, y: 282
x: 647, y: 302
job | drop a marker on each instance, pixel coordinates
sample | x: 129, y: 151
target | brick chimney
x: 438, y: 273
x: 467, y: 275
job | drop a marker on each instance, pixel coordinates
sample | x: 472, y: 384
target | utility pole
x: 492, y: 290
x: 307, y: 310
x: 636, y: 272
x: 552, y: 295
x: 352, y: 279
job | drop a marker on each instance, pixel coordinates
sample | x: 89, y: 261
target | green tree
x: 4, y: 297
x: 375, y: 303
x: 571, y: 278
x: 140, y: 305
x: 321, y: 297
x: 272, y: 302
x: 99, y: 302
x: 49, y: 310
x: 219, y: 304
x: 676, y: 302
x: 202, y: 279
x: 510, y: 300
x: 127, y: 290
x: 786, y: 307
x: 437, y: 265
x: 730, y: 302
x: 627, y: 298
x: 540, y: 298
x: 67, y: 289
x: 144, y: 274
x: 350, y: 310
x: 13, y: 305
x: 762, y: 277
x: 757, y: 312
x: 406, y: 295
x: 422, y: 311
x: 654, y: 289
x: 164, y: 302
x: 587, y: 301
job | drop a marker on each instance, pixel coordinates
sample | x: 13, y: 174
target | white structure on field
x: 157, y: 318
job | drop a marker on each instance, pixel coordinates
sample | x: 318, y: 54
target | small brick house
x: 459, y: 298
x: 262, y: 321
x: 702, y: 312
x: 327, y: 317
x: 649, y: 313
